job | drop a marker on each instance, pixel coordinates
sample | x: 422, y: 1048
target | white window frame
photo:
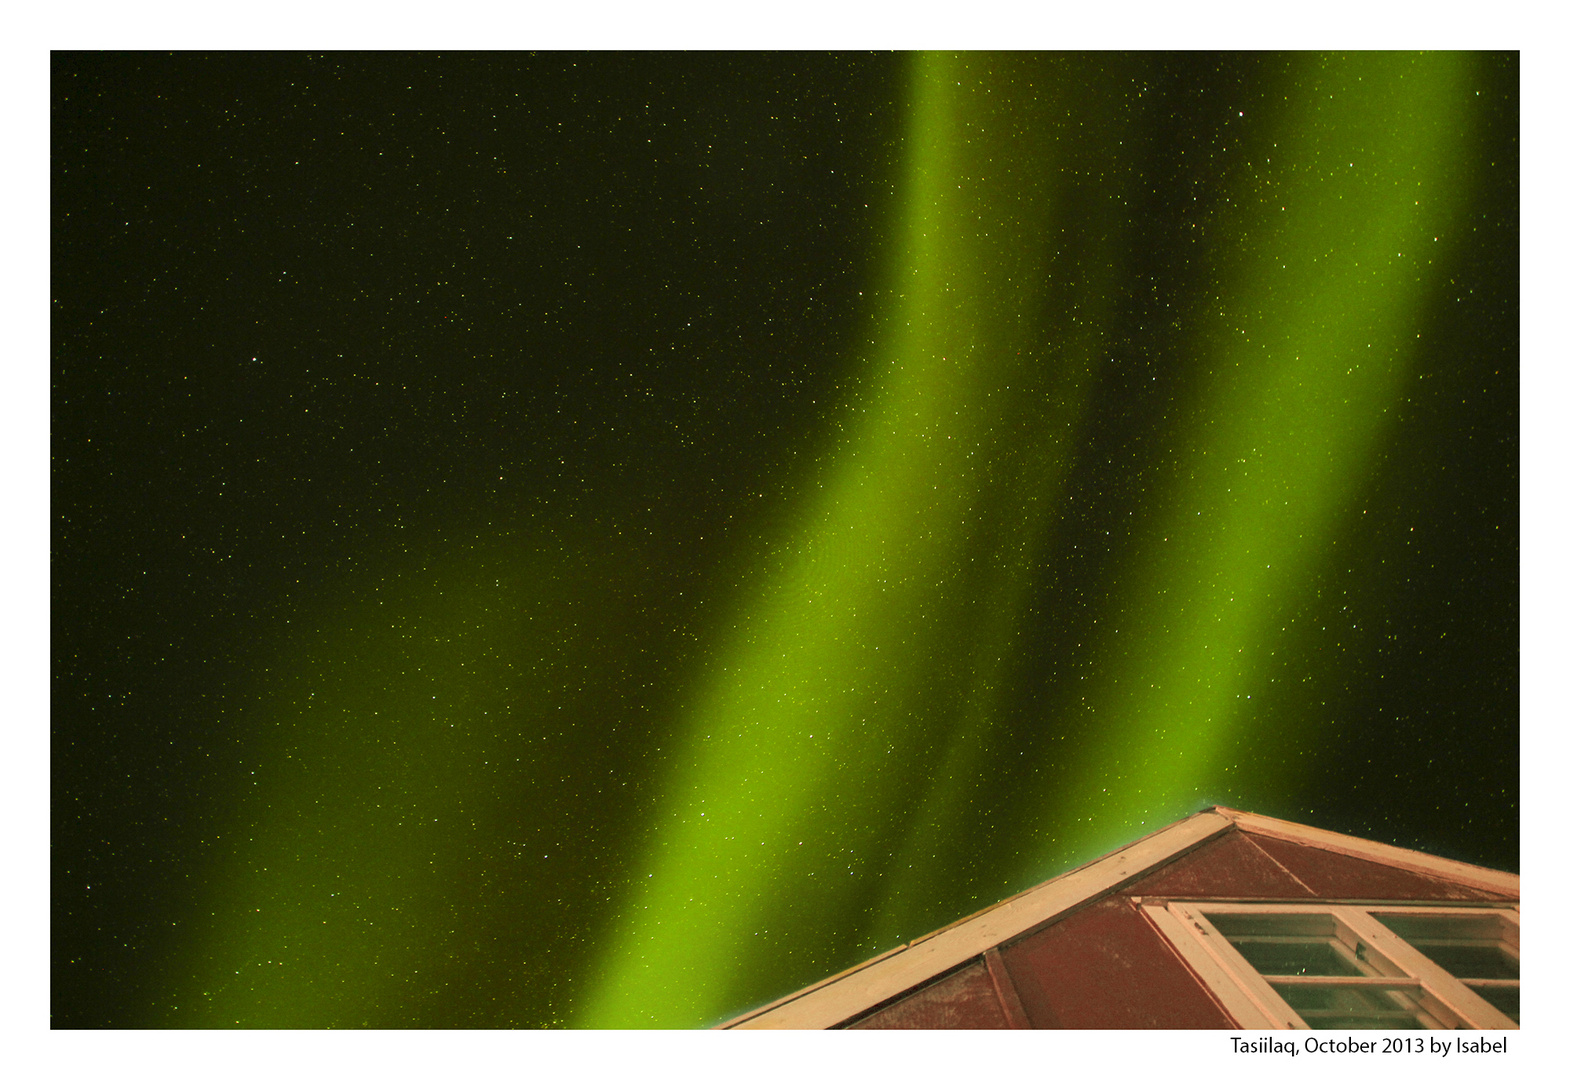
x: 1389, y: 962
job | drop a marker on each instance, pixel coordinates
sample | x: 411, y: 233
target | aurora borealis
x: 606, y: 540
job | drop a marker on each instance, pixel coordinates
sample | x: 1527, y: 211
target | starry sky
x: 605, y: 540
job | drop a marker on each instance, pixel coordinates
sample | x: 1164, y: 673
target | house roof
x: 842, y: 996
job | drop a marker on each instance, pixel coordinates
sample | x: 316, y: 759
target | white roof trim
x: 840, y: 997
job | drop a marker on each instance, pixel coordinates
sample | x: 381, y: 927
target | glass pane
x: 1339, y: 1008
x: 1467, y: 946
x: 1507, y: 999
x: 1473, y: 961
x: 1277, y: 944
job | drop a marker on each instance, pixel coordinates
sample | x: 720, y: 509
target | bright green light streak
x: 809, y: 730
x: 1337, y: 247
x: 1329, y: 266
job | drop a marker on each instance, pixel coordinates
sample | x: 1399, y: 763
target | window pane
x: 1277, y: 944
x: 1341, y: 1008
x: 1467, y: 946
x: 1507, y: 999
x: 1473, y: 961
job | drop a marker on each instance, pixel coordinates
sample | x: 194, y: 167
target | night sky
x: 605, y: 540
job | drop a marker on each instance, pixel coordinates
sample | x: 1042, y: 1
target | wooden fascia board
x: 1478, y: 877
x: 745, y: 1019
x: 843, y: 996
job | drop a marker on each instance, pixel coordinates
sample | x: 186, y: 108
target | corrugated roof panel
x: 1229, y: 865
x: 1333, y: 874
x: 965, y: 999
x: 1106, y: 967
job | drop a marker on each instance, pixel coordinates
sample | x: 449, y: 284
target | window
x: 1332, y: 965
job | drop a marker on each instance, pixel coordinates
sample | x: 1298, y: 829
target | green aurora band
x: 814, y: 721
x: 830, y: 765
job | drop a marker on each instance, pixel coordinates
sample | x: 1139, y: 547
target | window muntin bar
x: 1337, y: 965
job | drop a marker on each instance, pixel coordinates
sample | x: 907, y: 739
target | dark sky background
x: 432, y: 437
